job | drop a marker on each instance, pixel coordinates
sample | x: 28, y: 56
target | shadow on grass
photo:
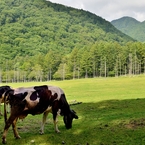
x: 118, y: 122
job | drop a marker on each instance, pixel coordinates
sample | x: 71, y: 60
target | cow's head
x: 69, y: 118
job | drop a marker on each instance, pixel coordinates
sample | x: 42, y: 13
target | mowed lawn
x: 112, y: 112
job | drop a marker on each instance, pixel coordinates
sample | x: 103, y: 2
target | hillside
x: 131, y: 27
x: 36, y: 26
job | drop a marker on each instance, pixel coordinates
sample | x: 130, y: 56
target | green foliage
x: 40, y: 40
x: 102, y: 59
x: 131, y: 27
x: 29, y: 27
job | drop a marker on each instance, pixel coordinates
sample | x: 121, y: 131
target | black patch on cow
x: 34, y: 96
x: 44, y: 95
x: 17, y: 100
x: 64, y: 106
x: 41, y: 87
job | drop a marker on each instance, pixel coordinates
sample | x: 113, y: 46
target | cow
x: 36, y: 100
x: 3, y: 89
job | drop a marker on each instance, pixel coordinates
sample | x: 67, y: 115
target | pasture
x: 112, y: 113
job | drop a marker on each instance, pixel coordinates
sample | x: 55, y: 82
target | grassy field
x: 112, y: 113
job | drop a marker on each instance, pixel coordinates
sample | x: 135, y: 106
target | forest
x: 101, y: 59
x: 42, y: 41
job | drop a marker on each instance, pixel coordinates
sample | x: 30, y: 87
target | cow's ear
x: 74, y: 114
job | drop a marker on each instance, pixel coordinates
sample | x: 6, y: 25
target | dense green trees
x: 28, y: 27
x: 42, y: 41
x: 101, y: 59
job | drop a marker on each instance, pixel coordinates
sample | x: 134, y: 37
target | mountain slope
x: 131, y: 27
x: 36, y: 26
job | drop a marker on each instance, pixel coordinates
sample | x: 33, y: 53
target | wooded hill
x: 40, y: 40
x: 131, y: 27
x: 30, y: 27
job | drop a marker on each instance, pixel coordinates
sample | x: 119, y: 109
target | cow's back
x: 23, y: 90
x: 56, y: 90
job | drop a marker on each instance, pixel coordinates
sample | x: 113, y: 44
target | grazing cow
x: 37, y: 100
x: 3, y: 89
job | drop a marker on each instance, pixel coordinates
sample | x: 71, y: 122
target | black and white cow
x: 3, y: 89
x: 37, y: 100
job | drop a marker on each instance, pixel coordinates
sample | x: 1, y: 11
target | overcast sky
x: 109, y: 9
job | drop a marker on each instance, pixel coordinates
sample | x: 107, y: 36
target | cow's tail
x: 5, y: 108
x: 6, y: 101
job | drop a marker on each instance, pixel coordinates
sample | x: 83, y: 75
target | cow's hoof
x: 4, y: 141
x: 57, y: 131
x: 18, y: 137
x: 41, y: 133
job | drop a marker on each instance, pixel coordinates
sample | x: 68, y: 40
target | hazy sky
x: 109, y: 9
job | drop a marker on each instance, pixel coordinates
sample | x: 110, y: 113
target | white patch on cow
x: 49, y: 109
x: 57, y: 90
x: 45, y: 114
x: 23, y: 90
x: 31, y: 103
x: 58, y: 112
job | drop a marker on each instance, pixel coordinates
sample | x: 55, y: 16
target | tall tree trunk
x: 78, y: 72
x: 120, y: 66
x: 116, y: 68
x: 50, y: 74
x: 130, y: 64
x: 125, y: 70
x: 63, y: 72
x: 94, y: 69
x: 74, y: 71
x: 86, y: 75
x: 105, y: 69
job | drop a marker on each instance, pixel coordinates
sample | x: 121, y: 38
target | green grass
x: 112, y: 113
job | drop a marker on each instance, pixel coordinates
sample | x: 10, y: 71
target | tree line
x: 102, y: 59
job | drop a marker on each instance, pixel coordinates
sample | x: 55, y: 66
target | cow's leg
x: 16, y: 135
x: 54, y: 111
x: 45, y: 114
x: 8, y: 108
x: 7, y: 125
x: 55, y: 122
x: 0, y: 108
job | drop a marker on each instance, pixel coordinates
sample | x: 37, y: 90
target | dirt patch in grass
x: 24, y: 128
x: 33, y: 124
x: 134, y: 124
x: 28, y: 125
